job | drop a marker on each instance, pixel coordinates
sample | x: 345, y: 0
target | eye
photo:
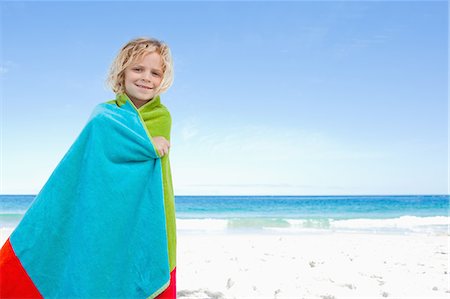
x: 137, y: 69
x: 156, y: 74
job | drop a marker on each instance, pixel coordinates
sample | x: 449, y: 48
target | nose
x: 147, y: 77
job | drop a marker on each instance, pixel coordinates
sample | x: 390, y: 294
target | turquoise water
x: 411, y: 213
x: 311, y: 207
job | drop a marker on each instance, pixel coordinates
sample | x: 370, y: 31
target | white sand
x: 322, y: 265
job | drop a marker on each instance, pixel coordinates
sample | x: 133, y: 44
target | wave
x: 415, y: 224
x: 10, y: 219
x: 201, y: 224
x: 432, y: 224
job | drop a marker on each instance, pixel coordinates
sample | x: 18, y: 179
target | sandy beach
x: 321, y: 265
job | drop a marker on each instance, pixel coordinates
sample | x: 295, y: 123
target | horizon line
x: 285, y: 195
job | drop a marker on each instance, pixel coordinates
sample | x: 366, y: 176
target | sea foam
x: 435, y: 224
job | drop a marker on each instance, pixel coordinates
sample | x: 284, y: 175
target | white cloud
x: 258, y: 142
x: 6, y: 67
x: 258, y: 158
x: 261, y: 159
x: 189, y: 129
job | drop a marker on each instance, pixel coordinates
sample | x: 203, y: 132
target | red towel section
x: 14, y: 280
x: 171, y: 291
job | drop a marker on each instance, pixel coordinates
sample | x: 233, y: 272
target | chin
x: 144, y: 98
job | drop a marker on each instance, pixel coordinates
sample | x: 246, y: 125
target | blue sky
x: 300, y: 98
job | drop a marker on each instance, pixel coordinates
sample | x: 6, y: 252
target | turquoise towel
x: 97, y: 229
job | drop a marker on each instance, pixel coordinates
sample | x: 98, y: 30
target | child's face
x: 142, y: 78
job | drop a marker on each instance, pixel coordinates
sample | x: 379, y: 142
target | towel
x: 98, y: 227
x: 158, y: 122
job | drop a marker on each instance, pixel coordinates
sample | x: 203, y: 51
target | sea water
x: 290, y: 214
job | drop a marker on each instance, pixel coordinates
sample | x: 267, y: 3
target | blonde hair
x: 134, y: 51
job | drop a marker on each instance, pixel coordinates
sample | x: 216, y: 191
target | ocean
x: 290, y: 214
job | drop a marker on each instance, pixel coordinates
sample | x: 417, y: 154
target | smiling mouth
x: 141, y: 86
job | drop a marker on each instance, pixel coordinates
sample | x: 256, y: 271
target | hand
x: 162, y: 145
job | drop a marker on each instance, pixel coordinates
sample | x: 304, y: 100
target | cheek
x: 158, y: 81
x: 129, y: 79
x: 128, y: 83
